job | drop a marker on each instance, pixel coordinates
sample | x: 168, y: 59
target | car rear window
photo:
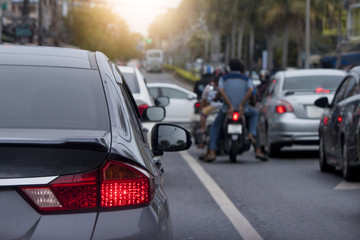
x: 52, y: 98
x: 312, y: 83
x: 132, y: 82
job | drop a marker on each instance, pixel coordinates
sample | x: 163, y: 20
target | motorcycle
x: 234, y: 138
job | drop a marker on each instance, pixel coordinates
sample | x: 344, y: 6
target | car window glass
x: 132, y: 82
x: 340, y: 92
x: 52, y: 98
x: 135, y: 121
x: 271, y: 88
x: 312, y: 82
x: 350, y: 88
x: 154, y: 92
x: 173, y: 93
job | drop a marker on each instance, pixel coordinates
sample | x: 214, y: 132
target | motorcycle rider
x: 208, y: 104
x: 206, y: 78
x: 264, y: 81
x: 235, y: 89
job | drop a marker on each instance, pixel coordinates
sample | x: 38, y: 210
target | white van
x: 154, y: 60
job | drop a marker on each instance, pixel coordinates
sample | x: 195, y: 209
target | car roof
x: 46, y: 56
x: 127, y: 69
x: 312, y: 72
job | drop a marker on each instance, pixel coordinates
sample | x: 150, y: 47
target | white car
x: 182, y: 100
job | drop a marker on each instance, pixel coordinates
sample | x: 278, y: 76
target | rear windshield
x: 132, y: 82
x: 52, y: 98
x: 154, y: 55
x: 312, y: 83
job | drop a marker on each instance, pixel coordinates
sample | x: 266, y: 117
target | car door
x: 331, y: 129
x: 180, y: 106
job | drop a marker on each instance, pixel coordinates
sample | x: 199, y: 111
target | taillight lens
x: 236, y: 116
x: 65, y: 193
x: 321, y: 90
x: 119, y: 185
x: 142, y: 108
x: 124, y: 186
x: 283, y: 107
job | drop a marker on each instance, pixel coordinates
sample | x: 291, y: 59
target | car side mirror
x: 153, y: 114
x: 169, y: 138
x: 191, y: 97
x: 322, y: 102
x: 162, y: 101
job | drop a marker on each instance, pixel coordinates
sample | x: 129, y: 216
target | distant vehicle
x: 141, y: 94
x: 287, y: 114
x: 339, y: 128
x: 74, y: 164
x: 154, y: 60
x: 180, y: 108
x: 134, y: 63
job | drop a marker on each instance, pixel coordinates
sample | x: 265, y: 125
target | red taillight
x: 119, y: 185
x: 65, y: 193
x: 321, y: 90
x: 197, y: 104
x: 326, y: 120
x: 142, y: 108
x: 339, y: 119
x: 235, y: 116
x: 283, y: 107
x: 124, y: 186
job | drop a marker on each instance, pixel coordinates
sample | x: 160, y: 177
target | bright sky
x: 139, y: 14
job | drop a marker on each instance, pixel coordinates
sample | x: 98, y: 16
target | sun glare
x: 139, y: 14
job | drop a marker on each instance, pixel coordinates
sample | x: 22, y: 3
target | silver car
x: 287, y: 114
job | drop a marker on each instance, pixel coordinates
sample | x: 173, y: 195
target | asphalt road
x: 284, y: 198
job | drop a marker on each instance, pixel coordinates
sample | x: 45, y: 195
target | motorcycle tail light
x: 283, y: 107
x: 236, y: 116
x: 113, y: 186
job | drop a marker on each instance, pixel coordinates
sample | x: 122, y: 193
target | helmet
x: 264, y: 75
x: 208, y: 70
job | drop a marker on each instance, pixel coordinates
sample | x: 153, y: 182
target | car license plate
x: 314, y: 112
x: 234, y: 128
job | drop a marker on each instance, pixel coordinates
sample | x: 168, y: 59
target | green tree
x: 98, y: 29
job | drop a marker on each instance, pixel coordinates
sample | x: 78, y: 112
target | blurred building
x: 31, y: 21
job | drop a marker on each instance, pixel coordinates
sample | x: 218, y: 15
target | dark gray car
x: 74, y: 163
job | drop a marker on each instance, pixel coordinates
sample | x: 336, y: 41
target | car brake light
x: 142, y: 108
x: 122, y: 185
x: 339, y: 119
x: 197, y: 104
x: 119, y: 185
x: 326, y: 120
x: 283, y: 107
x: 321, y: 90
x: 235, y: 116
x: 65, y: 193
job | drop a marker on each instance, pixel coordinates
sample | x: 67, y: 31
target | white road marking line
x: 347, y: 186
x: 242, y: 225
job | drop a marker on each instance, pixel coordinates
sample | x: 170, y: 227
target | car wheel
x: 272, y: 149
x: 347, y: 171
x: 324, y: 166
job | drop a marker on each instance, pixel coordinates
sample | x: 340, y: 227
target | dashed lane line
x: 241, y: 224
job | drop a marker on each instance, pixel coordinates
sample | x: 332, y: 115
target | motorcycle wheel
x: 232, y: 152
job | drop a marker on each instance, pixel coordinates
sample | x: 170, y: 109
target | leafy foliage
x: 99, y: 29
